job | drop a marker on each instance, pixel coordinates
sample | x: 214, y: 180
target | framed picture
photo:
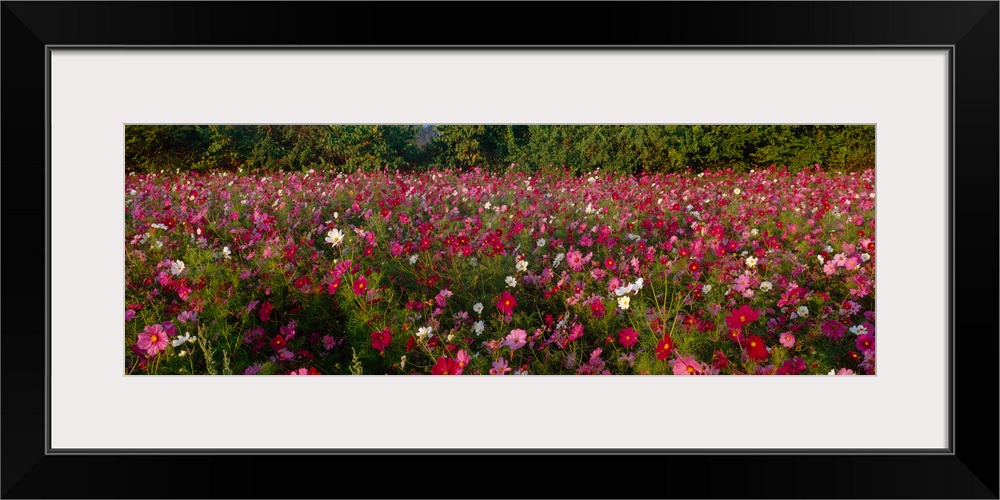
x: 923, y: 74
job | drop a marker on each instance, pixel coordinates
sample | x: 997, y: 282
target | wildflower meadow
x: 500, y: 272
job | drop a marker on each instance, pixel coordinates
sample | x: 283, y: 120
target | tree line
x: 578, y: 148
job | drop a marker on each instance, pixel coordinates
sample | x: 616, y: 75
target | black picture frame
x: 967, y: 470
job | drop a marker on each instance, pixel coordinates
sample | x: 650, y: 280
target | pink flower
x: 516, y: 339
x: 463, y: 358
x: 686, y: 366
x: 499, y: 367
x: 787, y: 339
x: 153, y: 340
x: 845, y: 371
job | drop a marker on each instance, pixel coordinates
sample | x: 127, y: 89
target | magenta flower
x: 865, y: 342
x: 153, y: 340
x: 129, y: 314
x: 516, y: 339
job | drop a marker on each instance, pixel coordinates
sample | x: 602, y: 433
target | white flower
x: 559, y: 258
x: 522, y: 265
x: 425, y: 331
x: 413, y: 259
x: 766, y: 286
x: 226, y: 252
x: 706, y: 289
x: 182, y: 339
x: 478, y: 327
x: 158, y: 226
x: 622, y: 290
x: 859, y: 329
x: 754, y: 232
x: 473, y: 262
x: 402, y: 361
x: 751, y: 261
x: 802, y: 311
x: 451, y: 336
x: 638, y: 284
x: 832, y: 372
x: 511, y: 282
x: 865, y: 257
x: 334, y: 237
x: 540, y: 242
x: 737, y: 191
x: 623, y: 302
x: 478, y: 308
x: 820, y: 259
x: 177, y: 267
x: 829, y: 248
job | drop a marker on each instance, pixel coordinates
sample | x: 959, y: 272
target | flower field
x: 468, y: 272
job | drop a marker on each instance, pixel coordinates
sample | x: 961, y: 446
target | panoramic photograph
x: 463, y: 249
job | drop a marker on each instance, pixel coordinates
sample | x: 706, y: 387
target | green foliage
x: 579, y: 148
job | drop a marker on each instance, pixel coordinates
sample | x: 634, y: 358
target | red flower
x: 609, y: 263
x: 693, y: 267
x: 756, y: 348
x: 446, y: 366
x: 265, y: 311
x: 721, y: 360
x: 506, y: 303
x: 360, y: 285
x: 741, y: 317
x: 664, y: 347
x: 332, y: 286
x: 627, y: 337
x: 410, y: 343
x: 381, y: 340
x: 278, y: 342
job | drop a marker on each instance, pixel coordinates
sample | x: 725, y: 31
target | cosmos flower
x: 516, y: 339
x: 478, y: 308
x: 687, y: 366
x: 381, y: 340
x: 506, y: 303
x: 177, y: 267
x: 787, y: 339
x: 742, y: 316
x: 499, y: 367
x: 623, y: 302
x: 153, y: 340
x: 628, y: 337
x: 756, y: 349
x: 181, y: 339
x: 334, y: 237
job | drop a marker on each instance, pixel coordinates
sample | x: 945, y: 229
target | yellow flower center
x: 690, y: 369
x: 743, y: 319
x: 753, y: 344
x: 153, y: 338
